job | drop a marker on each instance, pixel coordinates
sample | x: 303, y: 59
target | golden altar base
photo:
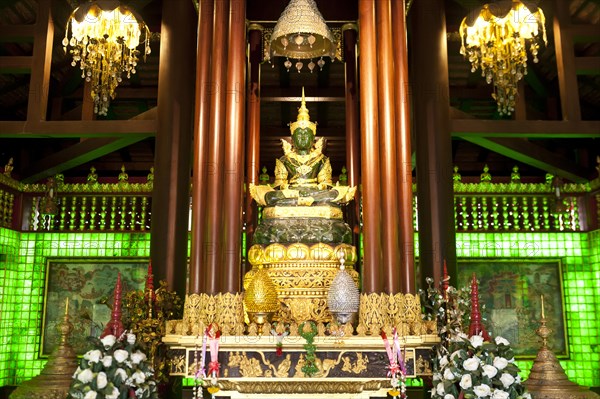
x: 348, y: 367
x: 351, y: 359
x: 302, y: 275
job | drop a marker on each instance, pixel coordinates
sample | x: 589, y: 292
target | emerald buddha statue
x: 302, y: 235
x: 302, y: 191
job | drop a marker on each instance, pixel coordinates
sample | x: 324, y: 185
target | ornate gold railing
x: 478, y: 206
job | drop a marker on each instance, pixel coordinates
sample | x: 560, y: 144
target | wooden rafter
x: 531, y: 154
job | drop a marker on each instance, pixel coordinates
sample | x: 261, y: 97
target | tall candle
x: 543, y: 315
x: 67, y: 306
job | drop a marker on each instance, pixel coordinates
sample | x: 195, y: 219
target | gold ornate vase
x: 302, y: 275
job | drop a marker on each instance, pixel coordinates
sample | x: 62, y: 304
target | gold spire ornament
x: 547, y: 379
x: 260, y: 298
x: 301, y: 34
x: 303, y: 120
x: 56, y: 376
x: 495, y: 38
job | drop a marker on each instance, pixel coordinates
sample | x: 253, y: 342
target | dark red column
x: 234, y: 146
x: 253, y: 125
x: 434, y: 146
x: 213, y: 245
x: 369, y: 123
x: 201, y: 122
x: 171, y: 196
x: 352, y: 127
x: 404, y: 151
x: 387, y: 145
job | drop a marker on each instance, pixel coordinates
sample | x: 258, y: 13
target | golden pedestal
x: 547, y: 379
x: 302, y: 275
x: 55, y: 379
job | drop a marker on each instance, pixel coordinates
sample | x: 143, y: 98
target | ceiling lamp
x: 301, y: 34
x: 494, y: 38
x: 104, y: 40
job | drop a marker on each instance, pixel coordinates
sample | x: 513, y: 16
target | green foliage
x: 149, y: 323
x: 308, y: 330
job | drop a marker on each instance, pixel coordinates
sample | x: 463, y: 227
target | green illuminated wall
x: 580, y: 258
x: 23, y: 258
x: 22, y: 293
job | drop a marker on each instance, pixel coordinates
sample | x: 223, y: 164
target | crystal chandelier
x: 494, y: 38
x: 301, y: 34
x: 104, y: 40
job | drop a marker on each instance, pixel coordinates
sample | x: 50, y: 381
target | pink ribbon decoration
x: 213, y: 337
x: 399, y: 352
x: 393, y: 368
x: 202, y: 371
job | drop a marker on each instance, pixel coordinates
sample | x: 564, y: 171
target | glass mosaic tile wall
x: 22, y: 293
x: 580, y: 258
x: 23, y: 258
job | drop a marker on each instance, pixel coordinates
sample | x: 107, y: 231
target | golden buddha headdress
x: 303, y: 120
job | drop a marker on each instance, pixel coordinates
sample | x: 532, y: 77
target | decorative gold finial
x: 8, y: 168
x: 56, y: 376
x: 303, y: 120
x: 547, y: 379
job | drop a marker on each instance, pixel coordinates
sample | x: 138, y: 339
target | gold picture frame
x: 89, y: 284
x: 511, y: 290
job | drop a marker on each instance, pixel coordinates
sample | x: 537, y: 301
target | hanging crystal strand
x: 455, y: 202
x: 35, y: 211
x: 113, y: 212
x: 93, y: 213
x: 460, y: 213
x: 514, y: 209
x: 83, y: 213
x: 525, y: 213
x: 73, y: 213
x: 475, y: 214
x: 63, y: 215
x: 495, y: 222
x: 9, y: 211
x: 2, y: 208
x: 545, y: 213
x: 536, y: 213
x: 133, y: 216
x: 485, y: 223
x: 575, y: 214
x: 415, y: 213
x: 505, y: 220
x: 566, y: 216
x: 558, y: 217
x: 143, y: 213
x: 466, y: 213
x: 123, y: 221
x: 103, y: 214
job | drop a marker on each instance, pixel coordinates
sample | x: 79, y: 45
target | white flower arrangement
x: 115, y: 369
x: 473, y: 368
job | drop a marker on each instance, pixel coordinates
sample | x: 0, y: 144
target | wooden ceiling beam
x: 295, y: 92
x: 76, y: 155
x: 78, y: 129
x: 531, y: 154
x: 468, y: 128
x: 582, y: 33
x: 15, y: 64
x: 17, y: 33
x: 587, y: 65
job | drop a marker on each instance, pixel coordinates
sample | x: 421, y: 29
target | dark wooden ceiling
x: 469, y: 94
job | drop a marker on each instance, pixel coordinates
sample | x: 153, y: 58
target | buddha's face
x: 303, y: 139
